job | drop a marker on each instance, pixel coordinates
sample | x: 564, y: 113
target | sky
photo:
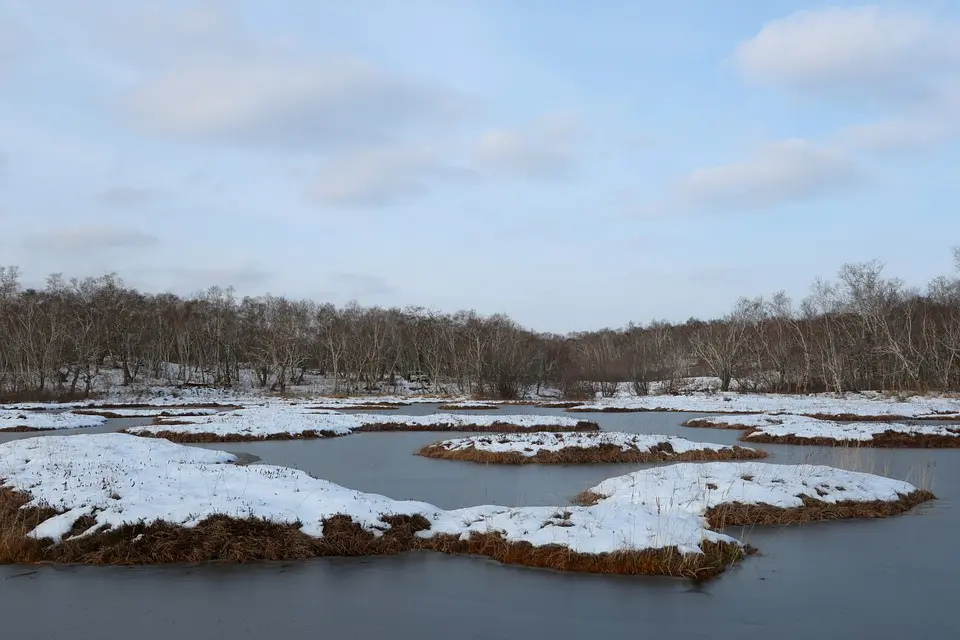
x: 574, y: 165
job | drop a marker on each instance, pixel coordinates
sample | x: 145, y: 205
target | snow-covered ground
x: 867, y: 405
x: 805, y: 428
x: 118, y: 479
x: 696, y: 487
x: 277, y: 419
x: 168, y: 411
x: 12, y: 419
x: 530, y: 444
x: 122, y: 479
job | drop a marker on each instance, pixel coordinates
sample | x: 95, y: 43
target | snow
x: 276, y: 419
x: 695, y: 487
x: 120, y: 479
x: 805, y: 427
x: 530, y: 444
x: 159, y: 411
x: 36, y: 420
x: 596, y: 529
x: 818, y: 404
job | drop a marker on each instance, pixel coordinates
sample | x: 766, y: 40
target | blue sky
x: 573, y: 165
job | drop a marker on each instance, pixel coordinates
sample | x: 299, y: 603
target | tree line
x: 860, y: 331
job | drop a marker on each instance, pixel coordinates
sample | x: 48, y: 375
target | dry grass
x: 813, y: 510
x: 233, y: 540
x: 142, y: 405
x: 478, y: 407
x: 716, y: 556
x: 736, y: 514
x: 495, y: 427
x: 25, y: 429
x: 194, y: 438
x: 358, y: 407
x: 889, y: 439
x: 602, y: 454
x: 163, y: 413
x: 707, y: 423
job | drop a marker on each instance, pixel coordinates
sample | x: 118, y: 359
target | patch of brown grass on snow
x: 603, y: 454
x: 356, y: 407
x: 707, y: 423
x: 479, y: 407
x: 495, y: 427
x: 143, y: 405
x: 24, y: 429
x: 106, y: 413
x: 716, y: 556
x: 194, y: 438
x: 889, y: 439
x: 813, y: 510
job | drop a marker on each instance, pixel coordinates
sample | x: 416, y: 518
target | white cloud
x: 128, y: 196
x: 382, y: 177
x: 90, y: 238
x: 893, y: 54
x: 546, y: 149
x: 776, y: 173
x: 264, y: 101
x: 902, y: 134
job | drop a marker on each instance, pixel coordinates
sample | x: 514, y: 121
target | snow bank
x: 593, y: 530
x: 802, y: 429
x: 273, y: 421
x: 872, y: 405
x: 695, y: 488
x: 32, y: 420
x: 118, y: 479
x: 581, y: 447
x: 166, y: 411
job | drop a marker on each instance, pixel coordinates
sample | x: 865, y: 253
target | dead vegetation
x: 393, y: 406
x: 232, y: 540
x: 494, y: 427
x: 888, y: 439
x: 708, y: 423
x: 207, y: 436
x: 160, y: 407
x: 736, y: 514
x: 813, y: 510
x: 24, y: 429
x: 161, y: 413
x: 602, y: 454
x: 475, y: 407
x: 669, y: 561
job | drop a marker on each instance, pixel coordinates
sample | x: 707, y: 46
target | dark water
x: 861, y: 579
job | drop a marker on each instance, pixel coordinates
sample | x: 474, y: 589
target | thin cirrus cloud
x: 90, y: 238
x: 546, y: 149
x: 128, y: 196
x: 775, y: 173
x: 383, y: 177
x: 324, y: 105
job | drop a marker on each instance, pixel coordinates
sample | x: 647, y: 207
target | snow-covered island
x: 469, y: 405
x: 866, y: 406
x: 115, y: 498
x: 13, y: 420
x: 118, y: 499
x: 284, y: 422
x: 759, y: 493
x: 147, y: 412
x: 582, y: 448
x: 803, y: 430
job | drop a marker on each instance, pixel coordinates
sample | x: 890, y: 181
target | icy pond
x: 884, y: 578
